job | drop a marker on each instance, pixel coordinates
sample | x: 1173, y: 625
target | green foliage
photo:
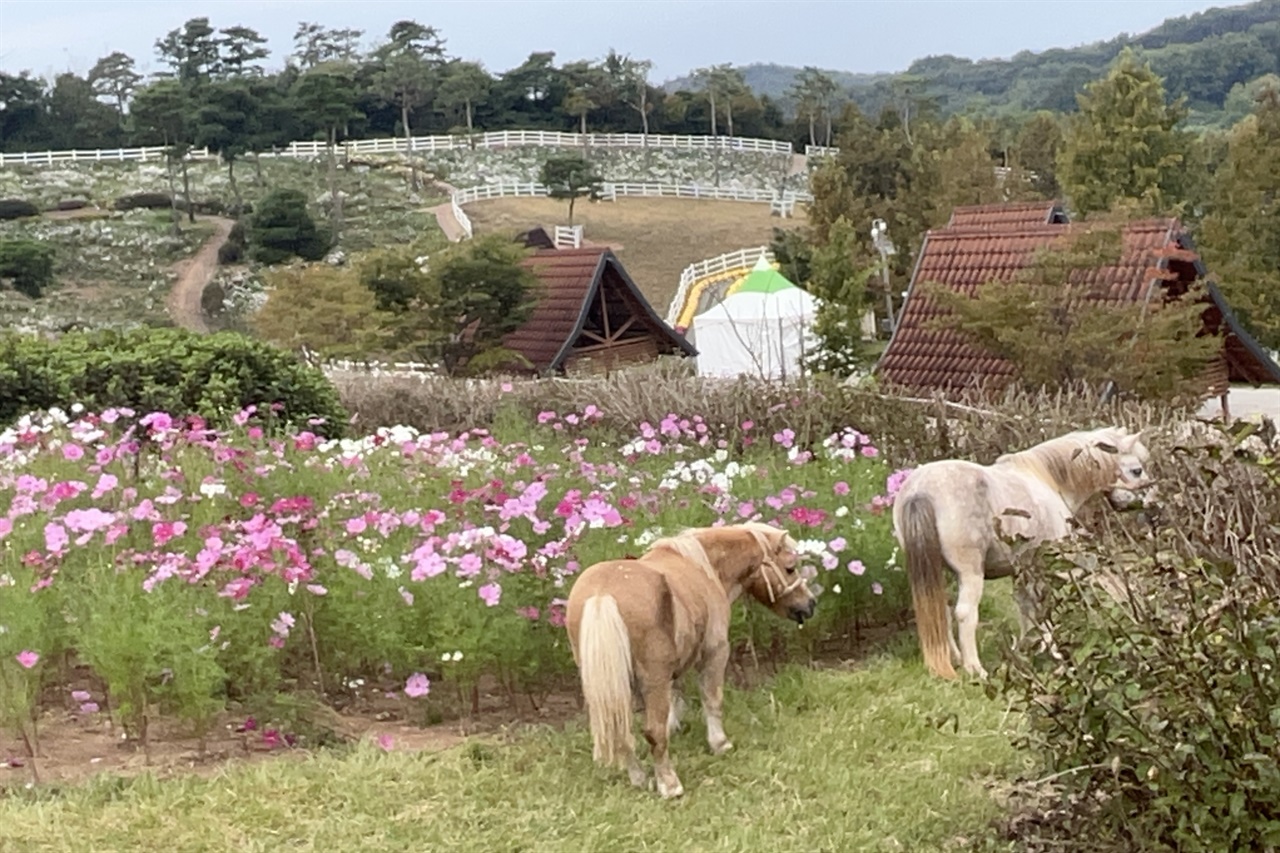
x: 148, y: 646
x: 28, y: 264
x: 1150, y: 688
x: 1122, y: 146
x: 840, y: 284
x: 281, y: 227
x: 143, y: 201
x: 1049, y: 322
x: 16, y: 208
x: 1240, y: 234
x: 478, y: 292
x: 326, y: 310
x: 395, y: 278
x: 168, y: 370
x: 571, y: 177
x: 233, y: 251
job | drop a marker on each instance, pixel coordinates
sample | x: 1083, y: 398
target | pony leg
x: 677, y: 709
x: 967, y: 599
x: 951, y: 638
x: 711, y: 686
x: 657, y: 708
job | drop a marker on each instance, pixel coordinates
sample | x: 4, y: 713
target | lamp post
x: 880, y: 238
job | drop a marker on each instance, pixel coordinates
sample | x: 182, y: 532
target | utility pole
x: 880, y: 237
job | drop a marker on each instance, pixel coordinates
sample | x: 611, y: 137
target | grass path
x: 875, y: 758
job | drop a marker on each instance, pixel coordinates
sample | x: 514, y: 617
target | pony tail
x: 928, y: 583
x: 604, y: 651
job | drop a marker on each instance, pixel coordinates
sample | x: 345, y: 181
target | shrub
x: 166, y: 370
x: 72, y: 204
x: 1152, y: 695
x: 16, y: 208
x: 144, y: 201
x: 282, y: 227
x: 233, y: 251
x: 29, y: 264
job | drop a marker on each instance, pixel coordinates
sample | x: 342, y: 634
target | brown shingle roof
x: 571, y: 279
x: 1007, y: 215
x: 965, y: 257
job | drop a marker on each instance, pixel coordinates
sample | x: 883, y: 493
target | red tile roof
x: 1007, y: 215
x: 965, y: 257
x: 570, y: 280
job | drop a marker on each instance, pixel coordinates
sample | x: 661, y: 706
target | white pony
x: 963, y: 515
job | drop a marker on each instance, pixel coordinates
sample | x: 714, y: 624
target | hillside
x: 1202, y: 56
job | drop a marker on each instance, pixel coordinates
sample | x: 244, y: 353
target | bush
x: 29, y: 264
x: 16, y: 208
x: 72, y: 204
x: 1153, y: 695
x: 233, y: 251
x: 167, y: 370
x: 144, y: 201
x: 282, y: 227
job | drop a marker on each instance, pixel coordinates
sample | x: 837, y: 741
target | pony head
x: 776, y: 581
x: 1130, y: 457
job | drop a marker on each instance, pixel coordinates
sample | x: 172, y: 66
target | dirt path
x: 443, y: 213
x: 194, y: 274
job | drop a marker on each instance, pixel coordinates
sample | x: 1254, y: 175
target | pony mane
x: 1072, y: 462
x: 687, y: 544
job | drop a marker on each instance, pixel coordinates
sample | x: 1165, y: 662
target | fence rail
x: 720, y: 264
x: 397, y: 145
x: 783, y: 203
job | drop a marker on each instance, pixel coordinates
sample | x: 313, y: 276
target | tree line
x: 405, y: 83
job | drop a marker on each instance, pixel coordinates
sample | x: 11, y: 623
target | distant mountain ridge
x: 1201, y: 55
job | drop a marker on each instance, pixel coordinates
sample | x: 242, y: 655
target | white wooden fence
x: 390, y: 145
x: 568, y: 237
x: 702, y: 270
x: 783, y: 203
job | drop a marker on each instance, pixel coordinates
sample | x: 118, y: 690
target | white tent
x: 763, y: 327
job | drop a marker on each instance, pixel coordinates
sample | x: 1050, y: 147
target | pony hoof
x: 722, y: 747
x: 638, y: 778
x: 670, y: 792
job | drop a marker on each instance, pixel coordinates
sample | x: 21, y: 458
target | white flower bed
x: 737, y: 169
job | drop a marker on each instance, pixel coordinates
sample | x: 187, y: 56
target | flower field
x: 178, y: 571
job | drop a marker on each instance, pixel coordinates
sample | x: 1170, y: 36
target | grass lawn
x: 658, y: 238
x: 874, y: 757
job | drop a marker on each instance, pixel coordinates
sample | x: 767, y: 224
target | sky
x: 47, y: 37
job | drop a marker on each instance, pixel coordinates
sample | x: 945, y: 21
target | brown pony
x: 639, y: 624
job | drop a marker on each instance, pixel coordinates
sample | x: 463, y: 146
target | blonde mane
x: 1071, y: 463
x: 687, y: 544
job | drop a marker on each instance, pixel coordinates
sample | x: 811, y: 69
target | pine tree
x: 1122, y: 144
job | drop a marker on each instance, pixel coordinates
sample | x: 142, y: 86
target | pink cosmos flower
x: 72, y: 452
x: 417, y: 686
x: 530, y: 613
x: 876, y: 589
x: 163, y: 531
x: 856, y: 567
x: 841, y: 488
x: 869, y: 451
x: 27, y: 658
x: 386, y: 742
x: 837, y: 545
x: 490, y: 593
x: 746, y: 509
x: 55, y: 537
